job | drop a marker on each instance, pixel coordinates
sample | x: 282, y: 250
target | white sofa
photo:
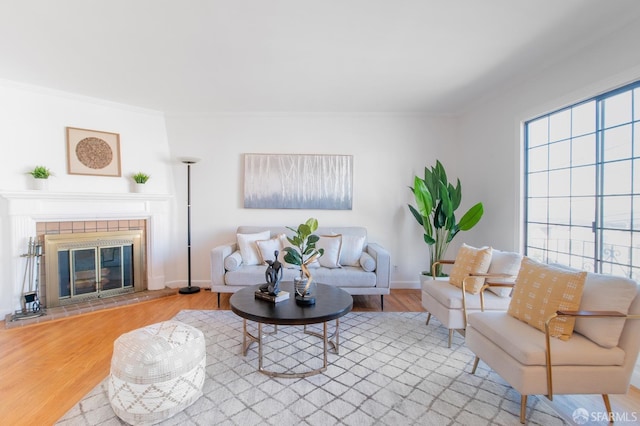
x: 367, y: 274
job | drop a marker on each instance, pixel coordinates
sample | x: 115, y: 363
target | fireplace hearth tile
x: 90, y: 306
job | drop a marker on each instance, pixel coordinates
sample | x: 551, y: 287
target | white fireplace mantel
x: 21, y: 210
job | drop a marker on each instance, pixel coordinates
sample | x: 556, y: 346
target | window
x: 582, y: 184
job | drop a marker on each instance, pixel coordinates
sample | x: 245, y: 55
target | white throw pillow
x: 266, y: 248
x: 233, y: 261
x: 331, y: 245
x: 248, y: 247
x: 367, y: 262
x: 504, y: 262
x: 605, y: 293
x: 351, y: 249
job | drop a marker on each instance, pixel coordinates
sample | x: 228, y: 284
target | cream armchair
x: 597, y: 358
x: 451, y: 304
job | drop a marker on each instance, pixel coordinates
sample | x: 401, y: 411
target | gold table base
x: 333, y: 340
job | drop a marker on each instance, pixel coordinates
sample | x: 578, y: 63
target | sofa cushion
x: 347, y: 276
x: 254, y: 274
x: 605, y: 293
x: 541, y: 290
x: 266, y: 248
x: 248, y: 247
x: 470, y: 260
x: 450, y: 296
x: 367, y: 262
x: 233, y: 261
x: 503, y: 262
x: 527, y: 344
x: 331, y: 245
x: 351, y: 249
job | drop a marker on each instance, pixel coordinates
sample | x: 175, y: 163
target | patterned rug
x: 392, y: 369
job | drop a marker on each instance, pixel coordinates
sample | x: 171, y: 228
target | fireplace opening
x: 87, y: 266
x: 96, y: 271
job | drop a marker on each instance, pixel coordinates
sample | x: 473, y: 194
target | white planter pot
x: 140, y: 188
x: 41, y: 184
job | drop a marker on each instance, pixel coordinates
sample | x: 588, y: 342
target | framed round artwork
x: 92, y: 152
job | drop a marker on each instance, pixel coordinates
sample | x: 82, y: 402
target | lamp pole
x: 189, y: 289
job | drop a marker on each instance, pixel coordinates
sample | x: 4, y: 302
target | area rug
x: 391, y: 369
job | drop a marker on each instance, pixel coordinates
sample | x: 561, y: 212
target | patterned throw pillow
x: 470, y: 260
x: 541, y: 290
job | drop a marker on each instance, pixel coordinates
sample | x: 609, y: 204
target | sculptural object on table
x: 273, y: 275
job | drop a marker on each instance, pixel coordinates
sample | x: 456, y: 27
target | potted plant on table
x: 436, y: 203
x: 41, y: 175
x: 302, y: 253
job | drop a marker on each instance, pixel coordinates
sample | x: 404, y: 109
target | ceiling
x: 210, y: 56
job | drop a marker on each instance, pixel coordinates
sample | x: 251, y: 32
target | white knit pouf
x: 156, y: 372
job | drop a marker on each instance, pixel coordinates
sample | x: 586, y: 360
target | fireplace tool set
x: 30, y: 302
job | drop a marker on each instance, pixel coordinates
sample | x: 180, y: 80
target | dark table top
x: 331, y: 303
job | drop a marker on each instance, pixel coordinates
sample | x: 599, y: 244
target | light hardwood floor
x: 42, y: 374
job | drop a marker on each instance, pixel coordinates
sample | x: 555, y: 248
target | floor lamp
x: 189, y: 289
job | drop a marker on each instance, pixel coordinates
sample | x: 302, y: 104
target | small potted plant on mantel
x: 41, y: 175
x: 140, y: 180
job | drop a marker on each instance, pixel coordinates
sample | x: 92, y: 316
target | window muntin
x: 582, y: 201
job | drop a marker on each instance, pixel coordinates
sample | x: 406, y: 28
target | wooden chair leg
x: 607, y: 404
x: 428, y: 318
x: 475, y: 365
x: 523, y: 408
x: 218, y: 300
x: 450, y: 336
x: 382, y: 302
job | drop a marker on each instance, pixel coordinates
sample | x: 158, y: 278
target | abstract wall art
x: 298, y: 181
x: 91, y: 152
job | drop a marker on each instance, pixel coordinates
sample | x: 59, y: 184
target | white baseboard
x: 405, y: 284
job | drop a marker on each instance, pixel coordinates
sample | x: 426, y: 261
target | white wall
x: 388, y: 150
x: 33, y: 132
x: 490, y: 134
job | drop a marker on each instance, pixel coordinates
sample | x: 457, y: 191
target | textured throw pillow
x: 331, y: 245
x: 233, y: 261
x: 541, y: 290
x: 351, y: 249
x: 248, y: 247
x: 267, y: 247
x: 470, y: 260
x: 503, y: 262
x: 367, y: 262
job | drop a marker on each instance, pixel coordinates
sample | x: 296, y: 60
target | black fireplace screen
x: 89, y: 271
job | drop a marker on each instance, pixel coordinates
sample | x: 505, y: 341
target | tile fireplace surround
x: 28, y: 214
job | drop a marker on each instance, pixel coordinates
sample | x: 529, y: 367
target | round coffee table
x: 331, y: 304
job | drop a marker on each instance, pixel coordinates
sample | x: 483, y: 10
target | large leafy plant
x: 304, y: 244
x: 436, y: 203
